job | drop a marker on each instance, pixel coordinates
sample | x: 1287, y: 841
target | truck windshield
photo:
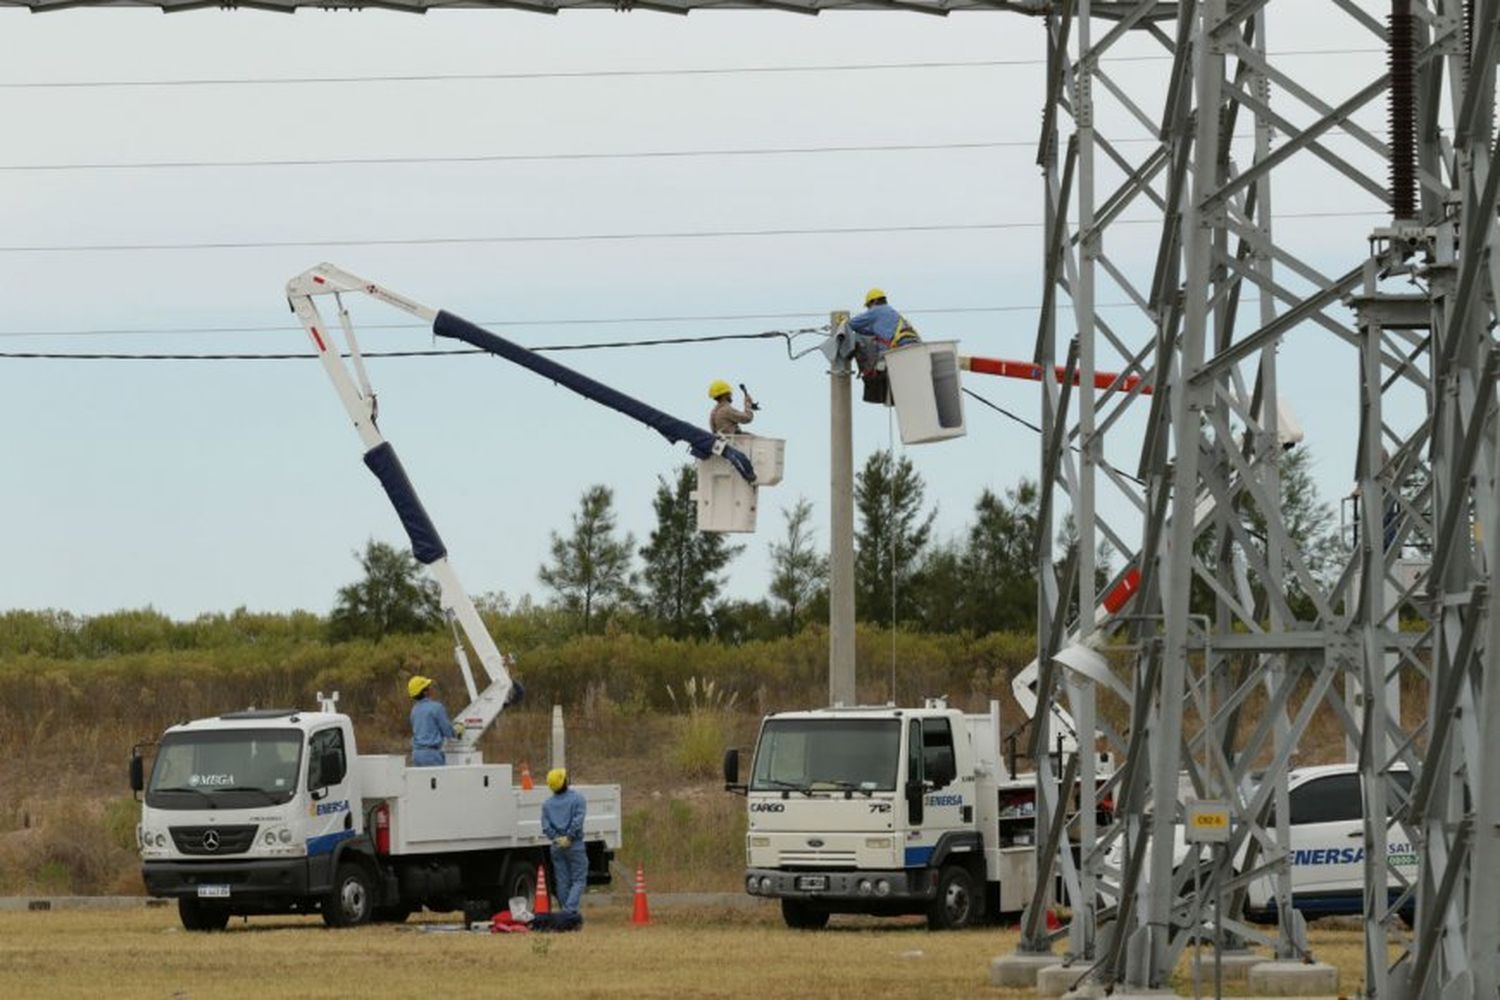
x: 225, y: 769
x: 828, y: 754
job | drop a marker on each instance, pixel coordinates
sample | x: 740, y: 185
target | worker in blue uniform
x: 562, y: 823
x: 878, y: 329
x: 429, y: 724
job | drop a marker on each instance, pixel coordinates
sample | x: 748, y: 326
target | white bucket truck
x: 275, y: 811
x: 887, y: 811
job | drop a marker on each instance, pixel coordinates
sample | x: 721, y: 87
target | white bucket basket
x: 727, y: 503
x: 926, y: 391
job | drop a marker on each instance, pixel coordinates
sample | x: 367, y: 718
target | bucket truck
x: 276, y: 811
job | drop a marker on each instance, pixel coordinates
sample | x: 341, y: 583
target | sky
x: 204, y: 486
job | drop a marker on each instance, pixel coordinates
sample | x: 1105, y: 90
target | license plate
x: 812, y: 883
x: 213, y: 891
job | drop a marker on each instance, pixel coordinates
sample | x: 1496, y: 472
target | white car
x: 1328, y: 850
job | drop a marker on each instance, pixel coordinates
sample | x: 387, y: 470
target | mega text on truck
x: 275, y: 811
x: 887, y: 811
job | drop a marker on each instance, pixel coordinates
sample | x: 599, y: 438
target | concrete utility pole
x: 841, y: 525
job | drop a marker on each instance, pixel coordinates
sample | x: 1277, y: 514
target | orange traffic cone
x: 1053, y: 924
x: 526, y: 782
x: 642, y: 913
x: 541, y: 904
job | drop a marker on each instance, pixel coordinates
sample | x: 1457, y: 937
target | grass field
x: 684, y: 953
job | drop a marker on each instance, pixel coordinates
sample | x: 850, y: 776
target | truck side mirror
x: 137, y: 771
x: 732, y: 771
x: 914, y: 792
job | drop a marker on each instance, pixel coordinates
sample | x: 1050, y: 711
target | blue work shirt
x: 429, y: 725
x: 562, y: 815
x: 876, y: 328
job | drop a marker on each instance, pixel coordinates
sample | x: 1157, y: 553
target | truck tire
x: 351, y: 901
x: 518, y: 878
x: 199, y: 916
x: 956, y: 905
x: 803, y: 916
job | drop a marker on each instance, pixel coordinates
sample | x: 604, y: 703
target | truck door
x: 1327, y: 838
x: 332, y: 815
x: 948, y: 805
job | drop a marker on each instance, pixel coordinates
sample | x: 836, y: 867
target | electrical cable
x: 787, y: 335
x: 597, y: 74
x: 593, y: 237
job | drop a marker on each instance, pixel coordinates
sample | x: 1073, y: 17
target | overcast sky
x: 196, y: 486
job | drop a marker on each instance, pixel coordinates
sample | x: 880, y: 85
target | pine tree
x: 798, y: 570
x: 392, y: 598
x: 682, y: 565
x: 590, y: 569
x: 892, y: 536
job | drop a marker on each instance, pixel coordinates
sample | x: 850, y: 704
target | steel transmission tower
x: 1235, y: 637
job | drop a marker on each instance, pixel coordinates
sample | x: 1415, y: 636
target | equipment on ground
x: 888, y: 811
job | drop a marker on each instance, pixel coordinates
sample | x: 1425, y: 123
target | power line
x: 479, y: 158
x: 787, y: 335
x: 598, y: 74
x: 595, y: 237
x: 581, y: 321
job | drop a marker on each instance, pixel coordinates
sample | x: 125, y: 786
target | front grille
x: 232, y: 839
x: 817, y: 859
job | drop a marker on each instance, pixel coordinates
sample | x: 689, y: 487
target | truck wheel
x: 351, y: 900
x: 956, y: 905
x: 518, y: 878
x: 802, y: 916
x: 198, y: 916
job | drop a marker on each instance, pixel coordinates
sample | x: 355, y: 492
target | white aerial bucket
x: 926, y: 391
x: 726, y: 502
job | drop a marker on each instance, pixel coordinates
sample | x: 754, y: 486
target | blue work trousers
x: 570, y: 870
x: 428, y: 758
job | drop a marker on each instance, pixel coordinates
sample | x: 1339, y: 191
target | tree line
x: 673, y: 584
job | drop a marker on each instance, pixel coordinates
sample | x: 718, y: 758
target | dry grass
x: 700, y: 953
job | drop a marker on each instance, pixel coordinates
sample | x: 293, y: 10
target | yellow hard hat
x: 417, y: 685
x: 557, y: 779
x: 718, y: 387
x: 872, y: 295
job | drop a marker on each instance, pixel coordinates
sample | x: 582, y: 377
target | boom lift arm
x: 352, y: 385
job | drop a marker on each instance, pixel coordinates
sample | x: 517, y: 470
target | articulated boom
x: 352, y: 384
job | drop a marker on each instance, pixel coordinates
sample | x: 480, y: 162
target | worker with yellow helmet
x: 725, y: 419
x: 562, y: 823
x: 429, y: 724
x: 878, y: 329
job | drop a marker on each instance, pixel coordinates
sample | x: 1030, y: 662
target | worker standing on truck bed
x: 878, y: 329
x: 429, y: 724
x: 562, y: 823
x: 725, y: 419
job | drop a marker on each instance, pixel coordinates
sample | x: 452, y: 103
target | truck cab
x: 880, y: 811
x: 255, y: 811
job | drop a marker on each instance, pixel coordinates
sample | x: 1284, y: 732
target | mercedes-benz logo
x: 211, y: 840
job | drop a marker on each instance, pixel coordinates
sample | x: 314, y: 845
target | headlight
x: 284, y: 835
x: 750, y: 884
x: 269, y: 839
x: 864, y: 887
x: 878, y: 843
x: 760, y: 841
x: 765, y: 883
x: 159, y: 839
x: 882, y: 888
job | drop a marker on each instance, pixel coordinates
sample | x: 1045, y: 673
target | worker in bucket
x: 562, y: 823
x: 878, y: 329
x: 429, y: 724
x: 725, y: 419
